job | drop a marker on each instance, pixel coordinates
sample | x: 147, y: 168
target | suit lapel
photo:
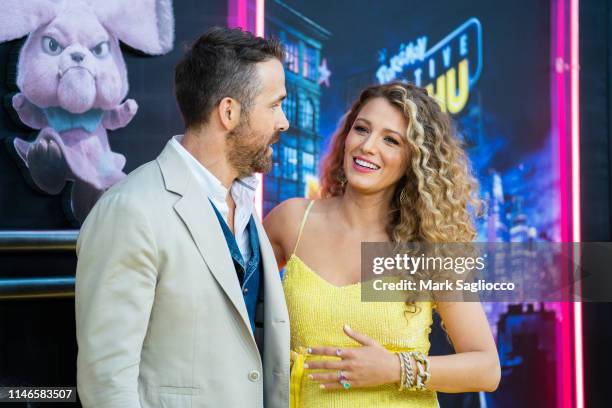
x: 198, y: 216
x: 276, y: 318
x: 275, y: 298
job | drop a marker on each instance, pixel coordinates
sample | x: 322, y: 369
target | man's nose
x: 284, y: 125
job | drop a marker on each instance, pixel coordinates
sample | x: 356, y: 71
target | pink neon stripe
x: 564, y: 376
x: 578, y: 334
x: 563, y: 390
x: 566, y: 347
x: 557, y: 126
x: 561, y: 120
x: 237, y: 14
x: 575, y: 112
x: 241, y: 14
x: 259, y: 18
x: 576, y: 215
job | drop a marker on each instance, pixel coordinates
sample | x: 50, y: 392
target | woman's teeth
x: 366, y: 164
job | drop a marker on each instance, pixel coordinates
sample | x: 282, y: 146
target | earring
x: 404, y: 196
x: 341, y: 178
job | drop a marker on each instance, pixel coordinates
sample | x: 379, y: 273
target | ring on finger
x: 345, y: 384
x: 341, y: 376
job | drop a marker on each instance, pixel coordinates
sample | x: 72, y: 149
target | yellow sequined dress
x: 318, y: 310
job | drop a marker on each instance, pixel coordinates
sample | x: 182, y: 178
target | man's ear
x: 229, y: 113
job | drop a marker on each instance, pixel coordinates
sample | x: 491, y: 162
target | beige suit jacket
x: 161, y: 320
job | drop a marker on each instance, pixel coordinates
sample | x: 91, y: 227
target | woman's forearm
x: 464, y: 372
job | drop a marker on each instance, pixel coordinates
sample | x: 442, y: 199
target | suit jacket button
x: 254, y: 376
x: 245, y: 290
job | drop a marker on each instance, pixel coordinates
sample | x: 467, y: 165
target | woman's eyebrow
x: 385, y: 129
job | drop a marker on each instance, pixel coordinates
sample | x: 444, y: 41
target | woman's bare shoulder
x: 289, y: 213
x: 283, y: 222
x: 289, y: 210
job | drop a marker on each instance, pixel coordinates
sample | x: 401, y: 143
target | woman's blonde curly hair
x: 438, y: 196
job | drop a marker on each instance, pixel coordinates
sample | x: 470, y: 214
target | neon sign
x: 448, y: 70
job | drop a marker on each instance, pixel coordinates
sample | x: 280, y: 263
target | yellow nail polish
x: 310, y: 377
x: 322, y: 386
x: 306, y: 365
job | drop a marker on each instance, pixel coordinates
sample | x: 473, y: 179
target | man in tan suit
x: 178, y: 297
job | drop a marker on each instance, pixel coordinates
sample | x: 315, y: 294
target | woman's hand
x: 367, y: 366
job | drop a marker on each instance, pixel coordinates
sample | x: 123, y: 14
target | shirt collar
x: 246, y: 186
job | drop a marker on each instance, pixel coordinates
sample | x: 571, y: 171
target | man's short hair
x: 221, y: 63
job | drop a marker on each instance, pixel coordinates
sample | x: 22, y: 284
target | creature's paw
x: 19, y: 101
x: 29, y: 114
x: 47, y: 163
x: 130, y: 107
x: 120, y: 116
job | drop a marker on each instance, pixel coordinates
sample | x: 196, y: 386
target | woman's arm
x: 474, y: 367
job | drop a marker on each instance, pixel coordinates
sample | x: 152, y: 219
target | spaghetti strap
x: 297, y: 242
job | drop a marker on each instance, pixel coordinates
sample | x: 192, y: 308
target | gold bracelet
x: 423, y: 374
x: 402, y: 371
x: 412, y: 377
x: 409, y: 376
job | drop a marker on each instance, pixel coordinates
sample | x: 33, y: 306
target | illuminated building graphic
x: 526, y: 345
x: 448, y: 70
x: 296, y: 155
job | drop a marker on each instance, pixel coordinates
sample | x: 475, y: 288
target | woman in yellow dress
x: 395, y: 172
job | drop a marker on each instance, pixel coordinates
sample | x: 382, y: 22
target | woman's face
x: 375, y: 151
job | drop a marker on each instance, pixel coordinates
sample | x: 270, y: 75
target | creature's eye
x: 51, y: 46
x: 101, y: 50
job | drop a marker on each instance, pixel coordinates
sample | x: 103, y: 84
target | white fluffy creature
x: 73, y: 81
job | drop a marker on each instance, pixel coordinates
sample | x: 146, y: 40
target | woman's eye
x: 51, y: 46
x: 391, y: 140
x: 101, y: 50
x: 361, y: 129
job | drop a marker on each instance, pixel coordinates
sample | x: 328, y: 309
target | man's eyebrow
x: 280, y: 98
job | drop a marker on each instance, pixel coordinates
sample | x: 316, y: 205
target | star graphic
x: 324, y: 73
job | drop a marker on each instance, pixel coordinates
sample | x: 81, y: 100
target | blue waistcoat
x: 249, y: 275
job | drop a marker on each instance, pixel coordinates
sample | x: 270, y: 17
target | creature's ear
x: 19, y: 18
x: 146, y: 25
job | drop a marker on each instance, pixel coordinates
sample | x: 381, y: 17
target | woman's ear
x: 229, y: 113
x: 146, y: 25
x: 19, y: 18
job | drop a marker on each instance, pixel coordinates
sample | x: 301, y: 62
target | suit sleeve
x: 115, y: 286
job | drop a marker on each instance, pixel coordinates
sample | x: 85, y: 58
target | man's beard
x: 246, y: 153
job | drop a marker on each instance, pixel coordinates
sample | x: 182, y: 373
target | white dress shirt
x: 242, y: 190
